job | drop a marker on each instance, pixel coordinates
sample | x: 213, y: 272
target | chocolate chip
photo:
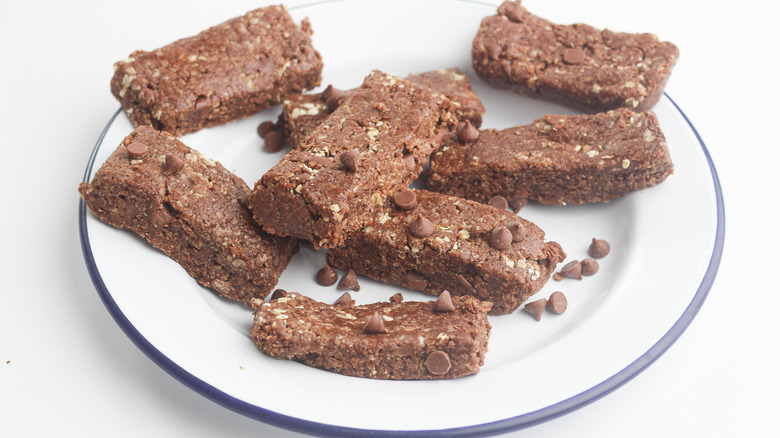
x: 493, y: 50
x: 444, y: 304
x: 173, y: 164
x: 558, y: 276
x: 438, y: 363
x: 518, y: 203
x: 405, y: 199
x: 397, y: 297
x: 573, y: 56
x: 162, y: 217
x: 468, y: 133
x: 514, y: 12
x: 498, y: 202
x: 573, y: 269
x: 482, y: 291
x: 201, y: 103
x: 137, y: 149
x: 350, y: 159
x: 589, y: 266
x: 326, y: 276
x: 517, y: 230
x: 536, y: 308
x: 333, y: 97
x: 264, y: 128
x: 500, y: 238
x: 344, y: 300
x: 409, y: 162
x: 349, y: 282
x: 598, y: 248
x: 463, y: 283
x: 421, y: 227
x: 278, y: 293
x: 557, y: 303
x: 376, y: 324
x: 274, y: 141
x: 415, y: 280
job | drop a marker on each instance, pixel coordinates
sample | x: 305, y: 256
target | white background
x: 66, y: 368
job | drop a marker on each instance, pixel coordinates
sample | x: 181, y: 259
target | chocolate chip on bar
x: 350, y: 159
x: 438, y: 363
x: 415, y: 280
x: 421, y: 227
x: 498, y: 201
x: 500, y: 238
x: 405, y: 199
x: 443, y: 303
x: 468, y: 133
x: 344, y: 300
x: 375, y: 325
x: 137, y: 149
x: 173, y: 164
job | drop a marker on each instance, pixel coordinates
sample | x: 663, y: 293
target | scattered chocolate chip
x: 498, y: 202
x: 573, y: 269
x: 589, y: 266
x: 137, y: 149
x: 468, y: 133
x: 558, y: 276
x: 344, y: 300
x: 573, y: 56
x: 397, y: 297
x: 173, y: 164
x: 264, y: 128
x: 557, y: 302
x: 536, y: 308
x: 415, y: 280
x: 444, y: 304
x: 513, y: 11
x: 274, y: 141
x: 349, y: 282
x: 162, y: 217
x: 493, y: 50
x: 350, y: 159
x: 517, y: 230
x: 326, y: 276
x: 409, y: 162
x: 438, y: 363
x: 500, y: 238
x: 518, y: 203
x: 333, y: 97
x: 376, y: 324
x: 405, y: 199
x: 278, y: 293
x: 421, y: 227
x: 598, y: 248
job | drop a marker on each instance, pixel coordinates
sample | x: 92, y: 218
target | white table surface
x: 66, y: 368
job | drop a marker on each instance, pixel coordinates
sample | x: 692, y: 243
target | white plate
x: 666, y: 246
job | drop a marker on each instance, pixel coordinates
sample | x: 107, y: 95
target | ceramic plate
x: 666, y: 246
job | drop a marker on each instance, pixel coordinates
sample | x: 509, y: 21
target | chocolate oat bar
x: 192, y: 209
x: 577, y: 65
x: 557, y: 160
x: 389, y: 340
x: 302, y: 113
x: 433, y: 242
x: 374, y: 144
x: 227, y: 72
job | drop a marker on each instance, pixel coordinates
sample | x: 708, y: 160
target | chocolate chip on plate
x: 326, y: 276
x: 349, y: 282
x: 137, y: 149
x: 264, y: 128
x: 421, y: 227
x: 376, y: 324
x: 573, y: 269
x: 405, y: 199
x: 468, y: 133
x: 443, y: 304
x: 598, y: 248
x: 500, y: 238
x: 557, y: 302
x: 589, y: 266
x: 350, y: 159
x: 274, y: 141
x: 536, y: 308
x: 438, y: 363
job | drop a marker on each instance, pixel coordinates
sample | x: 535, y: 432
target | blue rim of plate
x: 493, y: 428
